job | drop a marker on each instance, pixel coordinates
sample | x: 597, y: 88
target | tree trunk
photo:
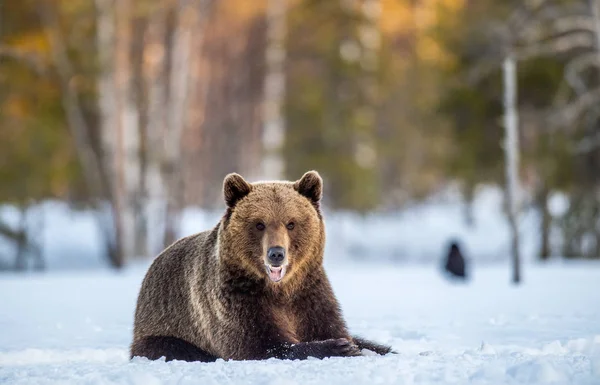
x: 128, y: 134
x: 542, y: 203
x: 96, y: 176
x: 511, y: 148
x: 119, y: 124
x: 365, y: 151
x: 169, y: 58
x: 595, y: 8
x: 139, y: 97
x: 469, y: 197
x: 21, y: 242
x: 274, y: 90
x: 27, y: 245
x: 107, y: 106
x: 186, y: 19
x: 155, y: 77
x: 596, y: 225
x: 35, y: 238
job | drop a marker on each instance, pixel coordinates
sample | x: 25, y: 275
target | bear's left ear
x: 235, y: 188
x: 311, y: 186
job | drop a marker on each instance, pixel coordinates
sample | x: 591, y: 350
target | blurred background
x: 120, y: 119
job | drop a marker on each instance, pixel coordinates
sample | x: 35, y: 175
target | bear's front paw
x: 340, y: 347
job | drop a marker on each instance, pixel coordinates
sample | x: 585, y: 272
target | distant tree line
x: 138, y: 108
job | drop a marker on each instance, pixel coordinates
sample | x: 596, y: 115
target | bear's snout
x: 276, y: 256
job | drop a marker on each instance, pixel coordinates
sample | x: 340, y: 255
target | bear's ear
x: 235, y: 188
x: 311, y: 186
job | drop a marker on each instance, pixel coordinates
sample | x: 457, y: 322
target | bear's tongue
x: 276, y: 273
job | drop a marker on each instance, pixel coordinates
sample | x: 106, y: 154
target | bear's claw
x: 342, y: 347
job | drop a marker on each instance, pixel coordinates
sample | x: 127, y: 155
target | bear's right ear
x: 235, y: 188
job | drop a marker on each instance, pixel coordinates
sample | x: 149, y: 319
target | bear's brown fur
x: 225, y: 294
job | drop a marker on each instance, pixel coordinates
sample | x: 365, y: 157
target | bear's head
x: 272, y: 230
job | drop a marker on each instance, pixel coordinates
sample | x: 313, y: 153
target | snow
x: 70, y: 238
x: 74, y: 323
x: 75, y: 327
x: 418, y: 234
x: 421, y: 233
x: 558, y: 204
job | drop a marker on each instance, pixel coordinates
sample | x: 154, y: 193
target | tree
x: 37, y: 152
x: 274, y: 91
x: 511, y: 147
x: 331, y: 108
x: 553, y: 41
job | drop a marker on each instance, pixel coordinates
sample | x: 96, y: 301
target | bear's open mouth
x: 276, y: 273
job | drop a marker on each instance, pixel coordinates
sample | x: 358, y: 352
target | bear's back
x: 164, y: 306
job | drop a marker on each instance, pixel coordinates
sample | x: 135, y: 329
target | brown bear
x: 251, y: 288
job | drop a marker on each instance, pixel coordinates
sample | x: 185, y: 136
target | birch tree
x: 573, y: 29
x: 119, y: 119
x: 155, y: 78
x: 569, y: 31
x: 511, y: 148
x: 128, y: 135
x: 274, y: 90
x: 187, y: 18
x: 542, y: 28
x: 168, y: 66
x: 107, y: 109
x: 370, y: 41
x: 96, y: 175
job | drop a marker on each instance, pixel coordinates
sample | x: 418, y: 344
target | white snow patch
x: 51, y: 356
x: 550, y: 331
x: 420, y: 233
x: 558, y: 204
x: 69, y: 238
x: 487, y: 349
x: 537, y: 372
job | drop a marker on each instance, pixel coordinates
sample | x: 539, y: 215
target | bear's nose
x: 276, y: 255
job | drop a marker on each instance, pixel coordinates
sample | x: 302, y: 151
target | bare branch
x: 588, y: 144
x: 574, y: 68
x: 550, y: 48
x: 529, y: 23
x: 567, y: 115
x: 563, y: 25
x: 555, y: 11
x: 557, y: 45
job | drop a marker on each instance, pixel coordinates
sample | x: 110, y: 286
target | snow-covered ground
x: 75, y: 327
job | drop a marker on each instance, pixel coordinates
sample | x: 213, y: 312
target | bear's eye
x: 290, y: 226
x: 260, y: 226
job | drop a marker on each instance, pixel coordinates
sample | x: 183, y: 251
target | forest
x: 137, y: 109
